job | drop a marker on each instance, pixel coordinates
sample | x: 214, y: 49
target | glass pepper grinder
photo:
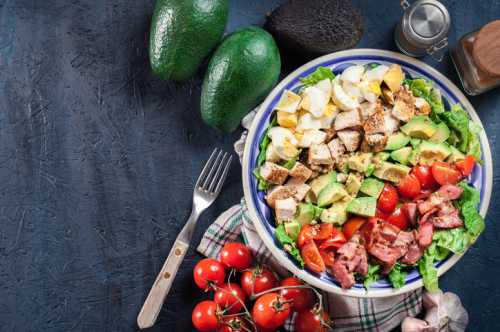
x: 477, y: 59
x: 423, y: 29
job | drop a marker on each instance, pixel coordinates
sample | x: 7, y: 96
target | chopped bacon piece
x: 413, y: 255
x: 351, y: 257
x: 425, y: 232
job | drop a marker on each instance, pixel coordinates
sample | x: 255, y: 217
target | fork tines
x: 214, y: 172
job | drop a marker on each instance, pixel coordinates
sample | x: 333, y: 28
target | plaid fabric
x: 348, y: 314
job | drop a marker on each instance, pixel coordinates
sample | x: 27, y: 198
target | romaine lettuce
x: 455, y: 240
x: 427, y: 269
x: 397, y: 276
x: 468, y: 204
x: 372, y: 276
x: 318, y: 75
x: 288, y: 244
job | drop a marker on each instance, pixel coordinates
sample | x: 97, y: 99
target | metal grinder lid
x: 426, y: 22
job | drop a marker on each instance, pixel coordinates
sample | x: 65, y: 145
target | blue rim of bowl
x: 260, y: 213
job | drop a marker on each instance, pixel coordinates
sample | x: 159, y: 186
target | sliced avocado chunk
x: 331, y: 193
x: 371, y: 187
x: 456, y: 155
x: 420, y: 126
x: 430, y: 152
x: 363, y: 206
x: 391, y: 172
x: 380, y: 156
x: 413, y: 157
x: 337, y: 213
x: 353, y: 183
x: 322, y: 181
x: 305, y: 213
x: 397, y: 141
x: 360, y: 162
x: 310, y: 197
x: 415, y: 142
x: 292, y: 228
x: 442, y: 133
x: 401, y: 155
x: 369, y: 170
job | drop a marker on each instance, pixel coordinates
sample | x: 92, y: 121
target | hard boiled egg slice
x: 326, y: 87
x: 271, y: 154
x: 370, y: 90
x: 313, y: 136
x: 308, y: 121
x: 329, y: 115
x: 353, y: 74
x: 314, y: 100
x: 353, y: 90
x: 284, y: 142
x: 289, y: 102
x: 375, y: 74
x: 341, y: 98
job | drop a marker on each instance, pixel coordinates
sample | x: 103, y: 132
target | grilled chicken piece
x: 301, y: 172
x: 319, y: 154
x: 280, y: 193
x: 285, y: 209
x: 337, y: 148
x: 348, y: 119
x: 273, y: 173
x: 350, y: 138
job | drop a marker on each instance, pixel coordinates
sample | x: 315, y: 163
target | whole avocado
x: 310, y: 28
x: 183, y: 32
x: 240, y: 74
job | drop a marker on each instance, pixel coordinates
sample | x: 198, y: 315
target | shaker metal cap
x: 426, y: 22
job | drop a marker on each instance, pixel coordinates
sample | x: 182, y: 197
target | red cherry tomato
x: 300, y: 298
x: 312, y: 257
x: 467, y: 165
x: 257, y: 280
x: 398, y: 219
x: 335, y: 241
x: 424, y: 176
x: 311, y: 321
x: 233, y: 324
x: 306, y: 234
x: 352, y: 225
x: 328, y: 257
x: 381, y: 215
x: 204, y: 316
x: 236, y: 255
x: 324, y: 232
x: 409, y: 187
x: 444, y: 173
x: 208, y: 271
x: 230, y: 296
x: 270, y: 311
x: 388, y: 198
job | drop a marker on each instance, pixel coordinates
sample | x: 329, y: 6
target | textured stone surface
x: 98, y: 159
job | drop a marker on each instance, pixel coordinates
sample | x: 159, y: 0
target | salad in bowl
x: 365, y: 171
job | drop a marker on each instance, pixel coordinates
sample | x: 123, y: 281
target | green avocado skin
x: 183, y: 32
x: 240, y: 74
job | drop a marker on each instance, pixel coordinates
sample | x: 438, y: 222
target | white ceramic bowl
x: 260, y: 212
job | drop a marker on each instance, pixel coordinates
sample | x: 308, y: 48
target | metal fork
x: 207, y: 188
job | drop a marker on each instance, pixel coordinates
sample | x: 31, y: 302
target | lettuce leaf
x: 262, y: 183
x: 372, y: 276
x: 397, y: 276
x: 458, y: 121
x: 425, y: 89
x: 288, y: 244
x: 427, y: 269
x: 265, y: 142
x: 468, y: 204
x: 318, y: 75
x: 474, y: 148
x: 455, y: 240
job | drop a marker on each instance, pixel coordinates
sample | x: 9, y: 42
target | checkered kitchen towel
x: 348, y: 314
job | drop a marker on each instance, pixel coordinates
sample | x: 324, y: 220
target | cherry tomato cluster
x: 259, y: 302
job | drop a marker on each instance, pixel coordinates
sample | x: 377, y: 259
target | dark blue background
x: 98, y: 159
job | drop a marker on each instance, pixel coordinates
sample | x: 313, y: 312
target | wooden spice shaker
x: 477, y: 59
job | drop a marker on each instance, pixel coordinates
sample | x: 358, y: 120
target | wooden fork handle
x: 152, y: 306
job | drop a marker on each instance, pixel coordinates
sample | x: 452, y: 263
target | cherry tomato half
x: 398, y: 219
x: 328, y: 257
x: 270, y: 311
x: 324, y: 232
x: 467, y: 165
x: 311, y: 321
x: 444, y: 173
x: 409, y: 187
x: 306, y: 234
x: 204, y: 316
x: 351, y: 226
x: 335, y: 241
x: 300, y: 298
x: 312, y: 257
x: 208, y: 271
x: 257, y: 280
x: 388, y: 198
x: 424, y: 176
x: 236, y: 255
x: 231, y: 297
